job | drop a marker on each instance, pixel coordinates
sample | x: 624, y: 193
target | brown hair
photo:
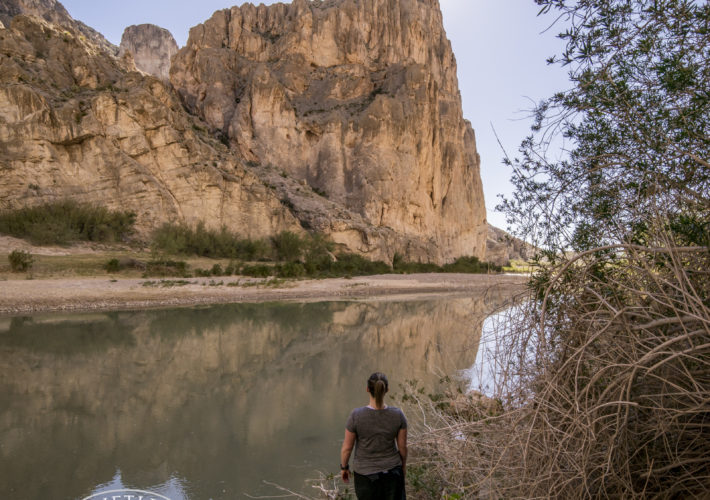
x: 377, y: 385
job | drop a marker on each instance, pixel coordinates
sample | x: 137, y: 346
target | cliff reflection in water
x: 220, y: 397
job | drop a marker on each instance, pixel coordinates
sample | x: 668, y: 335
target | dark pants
x: 383, y: 486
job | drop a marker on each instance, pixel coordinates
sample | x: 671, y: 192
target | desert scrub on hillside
x: 66, y: 221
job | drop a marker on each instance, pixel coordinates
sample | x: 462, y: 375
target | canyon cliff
x: 359, y: 100
x: 342, y: 118
x: 151, y: 46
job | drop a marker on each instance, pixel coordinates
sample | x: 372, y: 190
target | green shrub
x: 470, y: 265
x: 319, y: 245
x: 171, y: 238
x: 232, y: 268
x: 259, y: 271
x: 399, y: 265
x: 66, y: 221
x: 117, y: 265
x: 254, y: 250
x: 289, y: 246
x: 419, y: 267
x: 181, y: 239
x: 318, y: 256
x: 350, y: 264
x: 290, y: 270
x: 20, y: 261
x: 318, y: 265
x: 112, y: 266
x: 312, y: 254
x: 217, y: 270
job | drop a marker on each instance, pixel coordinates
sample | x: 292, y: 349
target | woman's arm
x: 402, y: 447
x: 345, y: 451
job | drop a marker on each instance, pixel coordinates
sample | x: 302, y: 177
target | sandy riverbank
x: 85, y: 294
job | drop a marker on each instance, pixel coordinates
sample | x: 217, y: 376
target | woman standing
x: 379, y: 435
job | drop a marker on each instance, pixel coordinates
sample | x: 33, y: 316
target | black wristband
x: 347, y: 467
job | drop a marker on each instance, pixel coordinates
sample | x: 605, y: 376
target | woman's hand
x: 345, y: 451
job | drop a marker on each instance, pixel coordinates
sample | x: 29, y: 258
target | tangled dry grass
x: 602, y: 388
x: 599, y: 387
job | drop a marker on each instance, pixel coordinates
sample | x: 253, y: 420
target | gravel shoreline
x: 91, y: 294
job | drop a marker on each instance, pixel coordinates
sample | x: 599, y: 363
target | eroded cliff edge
x: 339, y: 117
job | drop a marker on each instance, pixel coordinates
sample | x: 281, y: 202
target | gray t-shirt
x: 376, y: 433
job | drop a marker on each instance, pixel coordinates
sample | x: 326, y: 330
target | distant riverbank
x: 86, y: 294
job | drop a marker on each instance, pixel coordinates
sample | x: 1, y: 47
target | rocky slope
x: 53, y: 12
x: 151, y: 46
x: 357, y: 99
x: 75, y: 122
x: 502, y: 247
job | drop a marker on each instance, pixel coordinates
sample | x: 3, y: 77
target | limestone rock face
x: 75, y: 123
x: 501, y: 247
x: 152, y: 48
x: 53, y: 12
x: 358, y: 101
x: 339, y: 117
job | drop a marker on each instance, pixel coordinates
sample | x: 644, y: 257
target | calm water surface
x: 208, y: 402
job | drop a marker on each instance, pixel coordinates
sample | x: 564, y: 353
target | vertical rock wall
x: 342, y: 117
x: 357, y: 98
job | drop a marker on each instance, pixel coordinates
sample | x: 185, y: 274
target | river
x: 209, y: 402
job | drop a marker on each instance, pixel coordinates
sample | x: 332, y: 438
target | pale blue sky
x: 500, y: 47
